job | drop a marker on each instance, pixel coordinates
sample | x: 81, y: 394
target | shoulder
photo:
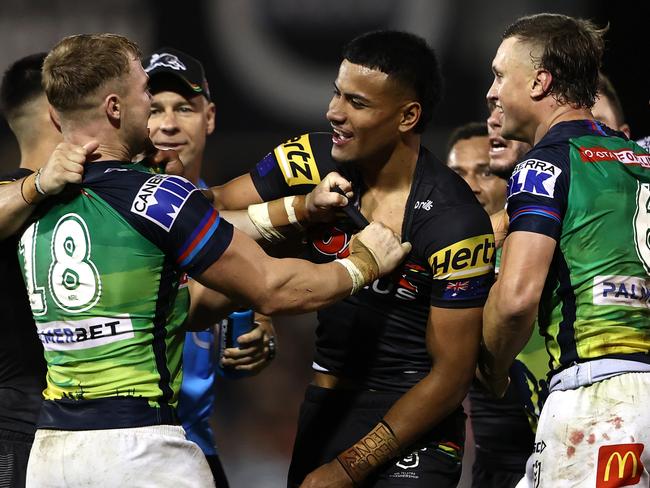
x: 446, y: 188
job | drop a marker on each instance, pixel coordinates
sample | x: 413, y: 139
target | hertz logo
x: 464, y: 259
x: 297, y: 161
x: 619, y: 465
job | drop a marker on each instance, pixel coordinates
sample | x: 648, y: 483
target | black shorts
x: 333, y: 420
x: 14, y: 454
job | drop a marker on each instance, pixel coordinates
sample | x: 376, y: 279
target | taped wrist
x: 362, y: 265
x: 273, y: 220
x: 28, y: 190
x: 370, y: 452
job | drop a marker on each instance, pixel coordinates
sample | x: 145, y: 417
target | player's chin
x: 342, y: 154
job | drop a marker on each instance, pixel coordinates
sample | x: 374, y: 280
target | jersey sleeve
x: 538, y: 191
x: 459, y: 246
x: 171, y: 212
x: 294, y: 167
x: 17, y: 174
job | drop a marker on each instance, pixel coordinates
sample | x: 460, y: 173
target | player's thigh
x: 594, y: 436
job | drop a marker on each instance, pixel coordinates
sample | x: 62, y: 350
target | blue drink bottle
x: 236, y: 324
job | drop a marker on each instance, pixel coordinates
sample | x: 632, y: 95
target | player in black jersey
x: 22, y: 366
x: 392, y: 364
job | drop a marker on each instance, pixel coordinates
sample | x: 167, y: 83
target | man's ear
x: 411, y: 113
x: 541, y: 83
x: 210, y: 116
x: 113, y: 107
x: 54, y: 117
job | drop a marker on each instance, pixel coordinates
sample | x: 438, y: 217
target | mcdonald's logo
x: 619, y: 465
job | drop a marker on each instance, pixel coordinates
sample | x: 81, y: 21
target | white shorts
x: 595, y: 436
x: 157, y: 456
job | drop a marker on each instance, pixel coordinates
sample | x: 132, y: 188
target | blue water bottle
x: 236, y: 324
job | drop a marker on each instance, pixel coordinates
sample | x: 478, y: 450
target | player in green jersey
x: 105, y: 267
x: 577, y: 250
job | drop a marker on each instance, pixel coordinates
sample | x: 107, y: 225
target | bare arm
x: 237, y: 194
x: 246, y: 274
x: 512, y: 305
x: 207, y: 307
x: 278, y: 219
x: 452, y: 339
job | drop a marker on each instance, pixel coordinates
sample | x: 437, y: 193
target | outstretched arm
x: 246, y: 274
x: 18, y: 199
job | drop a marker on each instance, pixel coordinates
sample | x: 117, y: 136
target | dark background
x: 271, y: 64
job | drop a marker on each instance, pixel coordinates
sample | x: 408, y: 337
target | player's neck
x: 34, y: 155
x: 561, y: 113
x: 396, y: 171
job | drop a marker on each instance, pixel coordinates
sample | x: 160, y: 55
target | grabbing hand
x: 322, y: 202
x: 384, y: 245
x: 65, y: 165
x: 165, y: 159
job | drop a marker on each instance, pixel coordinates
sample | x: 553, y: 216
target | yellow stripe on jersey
x: 297, y: 161
x: 464, y: 259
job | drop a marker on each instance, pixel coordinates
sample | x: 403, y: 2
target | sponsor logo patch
x: 466, y: 289
x: 619, y: 465
x: 161, y: 198
x: 425, y: 205
x: 625, y: 156
x: 297, y: 161
x: 629, y: 291
x: 464, y: 259
x: 84, y: 334
x: 534, y: 176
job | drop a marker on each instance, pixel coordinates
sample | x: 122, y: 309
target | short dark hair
x: 467, y: 131
x: 606, y: 89
x: 21, y: 83
x: 404, y: 57
x: 572, y: 51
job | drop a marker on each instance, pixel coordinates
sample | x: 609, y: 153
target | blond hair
x: 79, y: 65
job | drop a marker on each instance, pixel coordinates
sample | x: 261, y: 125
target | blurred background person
x: 182, y: 117
x: 608, y: 108
x: 468, y: 155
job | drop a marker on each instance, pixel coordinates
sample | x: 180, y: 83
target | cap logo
x: 166, y: 60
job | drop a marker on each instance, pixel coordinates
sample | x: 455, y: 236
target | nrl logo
x: 167, y: 60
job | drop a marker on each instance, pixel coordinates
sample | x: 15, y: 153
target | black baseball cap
x: 170, y: 61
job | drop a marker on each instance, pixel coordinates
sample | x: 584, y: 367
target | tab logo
x: 629, y: 291
x: 297, y: 162
x: 619, y: 465
x: 534, y: 176
x: 161, y: 198
x: 464, y: 259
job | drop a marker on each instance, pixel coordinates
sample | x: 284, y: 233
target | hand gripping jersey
x: 104, y: 270
x: 22, y: 367
x: 377, y: 337
x: 588, y: 188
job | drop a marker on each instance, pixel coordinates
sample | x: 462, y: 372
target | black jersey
x: 22, y: 366
x: 377, y: 337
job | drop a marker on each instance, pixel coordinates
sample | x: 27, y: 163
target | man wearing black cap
x: 182, y: 116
